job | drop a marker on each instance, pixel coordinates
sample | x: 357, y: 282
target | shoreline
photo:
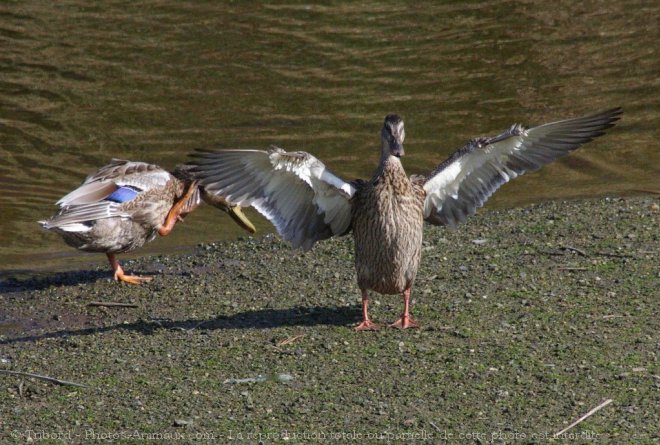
x: 208, y: 221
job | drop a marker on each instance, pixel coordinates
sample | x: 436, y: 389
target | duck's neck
x: 389, y: 167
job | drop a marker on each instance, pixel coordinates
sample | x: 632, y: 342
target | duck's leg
x: 119, y: 272
x: 406, y: 320
x: 174, y: 215
x: 366, y: 325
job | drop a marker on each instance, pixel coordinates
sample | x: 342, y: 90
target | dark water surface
x: 82, y: 82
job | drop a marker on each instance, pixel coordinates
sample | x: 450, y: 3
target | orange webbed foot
x: 131, y: 279
x: 121, y: 276
x: 368, y: 325
x: 405, y: 322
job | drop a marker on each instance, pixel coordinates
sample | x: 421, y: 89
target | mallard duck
x: 125, y: 204
x: 307, y: 203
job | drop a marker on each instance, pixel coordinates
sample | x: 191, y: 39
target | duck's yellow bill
x: 233, y: 210
x: 237, y: 215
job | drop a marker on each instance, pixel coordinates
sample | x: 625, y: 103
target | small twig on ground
x: 613, y: 316
x: 575, y: 249
x: 289, y: 340
x: 111, y: 304
x: 589, y: 414
x: 615, y: 255
x: 42, y: 377
x: 435, y: 426
x: 573, y: 268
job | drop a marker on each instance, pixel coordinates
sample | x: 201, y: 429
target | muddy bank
x: 530, y: 317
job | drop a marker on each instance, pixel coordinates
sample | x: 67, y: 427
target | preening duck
x: 125, y: 204
x: 306, y: 202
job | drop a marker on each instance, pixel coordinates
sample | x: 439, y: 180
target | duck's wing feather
x: 139, y: 176
x: 102, y: 193
x: 304, y: 200
x: 463, y: 182
x: 76, y: 218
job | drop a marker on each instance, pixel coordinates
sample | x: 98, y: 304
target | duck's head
x: 392, y: 136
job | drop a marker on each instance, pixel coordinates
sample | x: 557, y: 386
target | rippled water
x: 82, y: 82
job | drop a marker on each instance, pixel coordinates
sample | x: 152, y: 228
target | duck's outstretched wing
x: 304, y: 200
x: 463, y: 182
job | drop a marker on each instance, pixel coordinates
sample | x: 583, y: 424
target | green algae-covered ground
x: 530, y: 318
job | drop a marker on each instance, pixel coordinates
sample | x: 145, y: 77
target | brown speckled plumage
x: 387, y: 229
x: 120, y: 235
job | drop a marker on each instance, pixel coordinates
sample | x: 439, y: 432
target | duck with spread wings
x: 306, y: 202
x: 125, y: 204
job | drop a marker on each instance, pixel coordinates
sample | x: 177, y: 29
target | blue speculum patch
x: 122, y: 194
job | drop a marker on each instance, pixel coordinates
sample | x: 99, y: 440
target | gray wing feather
x: 302, y: 199
x: 80, y: 214
x: 465, y: 181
